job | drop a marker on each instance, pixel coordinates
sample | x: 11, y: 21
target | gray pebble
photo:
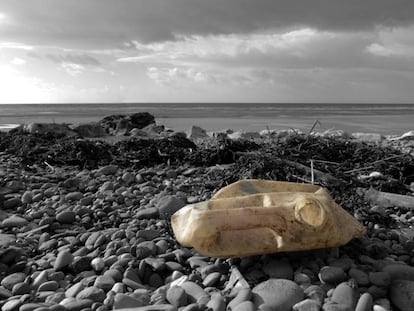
x: 380, y: 278
x: 401, y: 294
x: 122, y: 301
x: 400, y: 272
x: 345, y: 295
x: 244, y: 294
x: 12, y: 279
x: 365, y: 303
x: 332, y: 275
x: 307, y: 305
x: 279, y: 293
x: 212, y: 279
x: 245, y: 306
x: 361, y: 277
x: 176, y: 296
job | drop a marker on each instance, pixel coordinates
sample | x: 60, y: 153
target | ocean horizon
x: 390, y: 119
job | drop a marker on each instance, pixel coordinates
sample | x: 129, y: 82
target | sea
x: 393, y: 119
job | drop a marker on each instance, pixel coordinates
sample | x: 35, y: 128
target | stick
x: 50, y: 166
x: 375, y: 162
x: 312, y: 173
x: 313, y: 126
x: 387, y: 199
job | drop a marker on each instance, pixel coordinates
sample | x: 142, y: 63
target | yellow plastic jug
x: 252, y: 217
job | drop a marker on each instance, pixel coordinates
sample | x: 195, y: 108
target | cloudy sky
x: 207, y: 51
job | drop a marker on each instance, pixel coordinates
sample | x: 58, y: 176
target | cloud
x: 394, y: 42
x: 304, y: 47
x: 73, y: 69
x: 108, y: 23
x: 18, y: 61
x: 78, y: 59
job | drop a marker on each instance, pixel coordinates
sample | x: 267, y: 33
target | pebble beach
x: 85, y: 219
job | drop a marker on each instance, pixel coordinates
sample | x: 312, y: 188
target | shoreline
x: 384, y: 119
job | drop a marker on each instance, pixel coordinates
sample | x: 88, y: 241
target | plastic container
x: 252, y: 217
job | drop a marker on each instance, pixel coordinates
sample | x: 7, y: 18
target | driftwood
x: 387, y: 199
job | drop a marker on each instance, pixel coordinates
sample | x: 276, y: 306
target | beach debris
x: 45, y: 128
x: 93, y: 129
x: 386, y: 199
x: 406, y: 136
x: 122, y: 124
x: 368, y: 137
x: 197, y: 132
x: 252, y: 217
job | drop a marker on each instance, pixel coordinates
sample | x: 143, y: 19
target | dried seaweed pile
x: 335, y: 163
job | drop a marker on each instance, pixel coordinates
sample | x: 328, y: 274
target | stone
x: 122, y: 301
x: 44, y: 128
x: 128, y: 178
x: 80, y: 264
x: 138, y: 133
x: 63, y: 259
x: 147, y: 213
x: 216, y: 303
x: 197, y: 132
x: 245, y: 306
x: 27, y: 197
x: 212, y: 279
x: 13, y: 222
x: 332, y: 306
x: 91, y: 129
x: 245, y: 294
x: 332, y: 275
x: 380, y: 278
x: 72, y: 304
x: 21, y: 288
x: 276, y: 217
x: 66, y: 217
x: 12, y: 279
x: 156, y: 307
x: 154, y: 129
x: 176, y: 296
x: 195, y: 293
x: 31, y: 306
x: 401, y: 294
x: 75, y: 289
x: 361, y: 277
x: 344, y: 295
x: 168, y: 205
x: 9, y: 255
x: 49, y: 286
x: 307, y: 305
x: 365, y: 303
x: 279, y: 293
x: 74, y: 196
x: 11, y: 203
x: 104, y: 282
x: 399, y: 271
x: 97, y: 264
x: 108, y: 170
x: 279, y: 269
x: 141, y: 120
x: 316, y: 293
x: 92, y: 293
x: 11, y: 305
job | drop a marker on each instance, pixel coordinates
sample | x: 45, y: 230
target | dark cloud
x: 105, y: 23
